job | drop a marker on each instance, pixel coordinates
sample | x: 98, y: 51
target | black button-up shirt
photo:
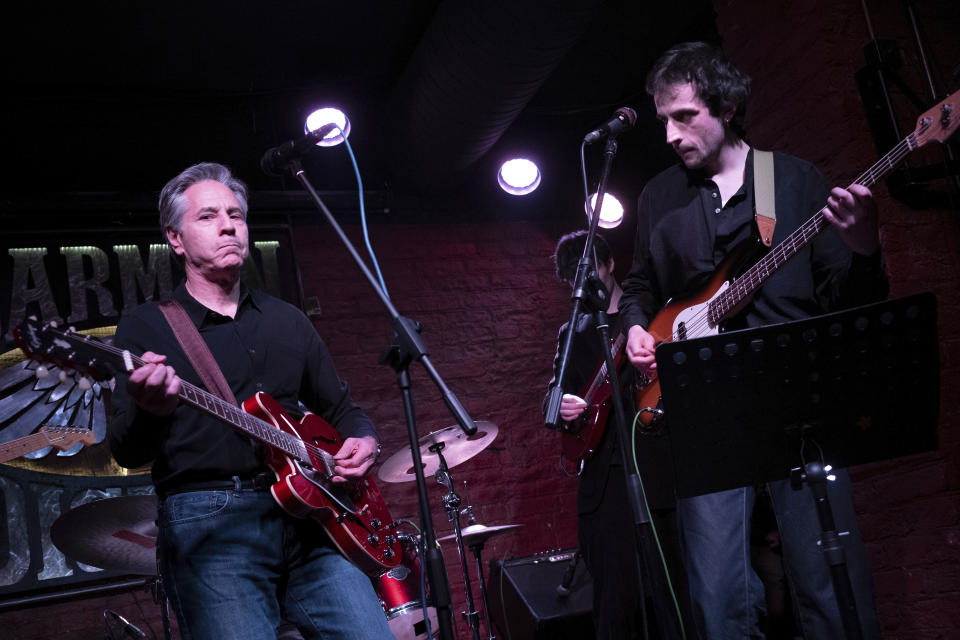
x: 682, y: 238
x: 269, y: 346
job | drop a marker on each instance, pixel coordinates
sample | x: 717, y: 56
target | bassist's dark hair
x: 717, y: 81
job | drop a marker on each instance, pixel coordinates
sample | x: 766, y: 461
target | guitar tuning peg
x: 84, y: 383
x: 32, y: 318
x: 64, y: 376
x: 42, y: 372
x: 71, y: 329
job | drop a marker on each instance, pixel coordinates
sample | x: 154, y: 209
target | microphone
x: 563, y: 589
x: 129, y: 629
x: 623, y: 120
x: 276, y: 160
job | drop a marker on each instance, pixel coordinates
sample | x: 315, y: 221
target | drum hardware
x: 115, y: 534
x: 402, y: 590
x: 439, y: 451
x: 474, y: 536
x: 451, y: 504
x: 457, y: 447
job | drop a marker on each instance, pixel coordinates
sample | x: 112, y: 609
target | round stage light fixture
x: 518, y: 176
x: 328, y: 115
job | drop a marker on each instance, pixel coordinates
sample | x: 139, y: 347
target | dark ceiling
x: 118, y: 97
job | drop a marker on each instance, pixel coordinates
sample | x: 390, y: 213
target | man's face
x: 694, y: 134
x: 213, y: 233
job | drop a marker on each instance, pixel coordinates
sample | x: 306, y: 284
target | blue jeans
x: 728, y: 596
x: 235, y: 566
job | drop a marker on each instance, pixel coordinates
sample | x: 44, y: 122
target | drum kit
x: 119, y: 534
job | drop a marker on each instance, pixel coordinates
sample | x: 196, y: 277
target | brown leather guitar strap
x: 196, y: 350
x: 765, y: 201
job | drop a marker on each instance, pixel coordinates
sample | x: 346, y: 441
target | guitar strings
x: 716, y: 310
x: 269, y: 431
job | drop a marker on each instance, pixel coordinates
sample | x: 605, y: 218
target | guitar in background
x: 46, y: 436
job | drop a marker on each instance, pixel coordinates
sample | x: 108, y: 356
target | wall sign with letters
x: 87, y: 279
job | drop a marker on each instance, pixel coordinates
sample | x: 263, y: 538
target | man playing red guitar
x: 233, y: 563
x: 689, y: 218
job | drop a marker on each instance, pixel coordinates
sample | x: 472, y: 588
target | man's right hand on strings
x: 640, y: 350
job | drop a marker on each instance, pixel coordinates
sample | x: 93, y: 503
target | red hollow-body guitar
x: 702, y: 315
x: 300, y: 454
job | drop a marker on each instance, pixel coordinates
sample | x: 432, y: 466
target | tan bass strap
x: 764, y: 195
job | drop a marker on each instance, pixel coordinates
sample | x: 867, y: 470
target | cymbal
x: 457, y: 448
x: 477, y: 533
x: 118, y: 534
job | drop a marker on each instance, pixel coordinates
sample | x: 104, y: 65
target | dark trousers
x: 610, y: 554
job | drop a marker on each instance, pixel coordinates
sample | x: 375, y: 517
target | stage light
x: 518, y: 176
x: 324, y: 116
x: 611, y: 213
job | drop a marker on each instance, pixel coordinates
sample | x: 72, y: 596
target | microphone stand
x: 408, y: 346
x: 589, y: 291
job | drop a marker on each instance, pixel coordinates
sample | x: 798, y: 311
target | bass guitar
x: 46, y: 436
x: 702, y: 314
x: 300, y: 454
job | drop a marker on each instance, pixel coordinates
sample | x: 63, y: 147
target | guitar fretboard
x: 210, y: 404
x: 727, y: 303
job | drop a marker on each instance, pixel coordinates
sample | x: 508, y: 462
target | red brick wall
x: 490, y: 306
x: 802, y: 57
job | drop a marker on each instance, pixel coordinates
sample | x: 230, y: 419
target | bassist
x: 233, y: 563
x: 690, y: 217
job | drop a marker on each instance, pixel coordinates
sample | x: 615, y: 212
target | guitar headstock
x: 65, y: 437
x: 939, y: 123
x: 47, y: 343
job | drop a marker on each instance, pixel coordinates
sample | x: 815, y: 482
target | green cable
x: 653, y: 526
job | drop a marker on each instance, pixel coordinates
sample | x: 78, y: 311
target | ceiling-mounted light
x: 611, y: 213
x: 518, y: 176
x: 327, y: 115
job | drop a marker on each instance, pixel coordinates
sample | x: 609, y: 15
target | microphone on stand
x: 623, y: 119
x: 276, y: 160
x: 563, y: 589
x: 130, y: 630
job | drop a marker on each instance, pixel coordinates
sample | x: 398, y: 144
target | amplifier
x: 526, y: 604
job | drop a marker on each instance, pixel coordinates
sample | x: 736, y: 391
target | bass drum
x: 399, y: 591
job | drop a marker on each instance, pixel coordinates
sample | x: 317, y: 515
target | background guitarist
x: 689, y: 218
x: 604, y: 521
x: 233, y: 563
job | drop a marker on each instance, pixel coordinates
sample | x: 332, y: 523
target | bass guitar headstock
x: 940, y: 122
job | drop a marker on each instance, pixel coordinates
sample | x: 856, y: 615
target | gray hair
x: 173, y: 204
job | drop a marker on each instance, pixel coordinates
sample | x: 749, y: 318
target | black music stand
x: 765, y: 404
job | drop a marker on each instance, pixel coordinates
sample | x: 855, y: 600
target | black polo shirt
x: 270, y: 346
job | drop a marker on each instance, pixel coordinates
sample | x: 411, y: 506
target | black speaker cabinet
x: 525, y: 604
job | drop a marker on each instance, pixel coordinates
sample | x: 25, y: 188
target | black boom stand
x: 591, y: 294
x: 408, y: 346
x: 759, y: 405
